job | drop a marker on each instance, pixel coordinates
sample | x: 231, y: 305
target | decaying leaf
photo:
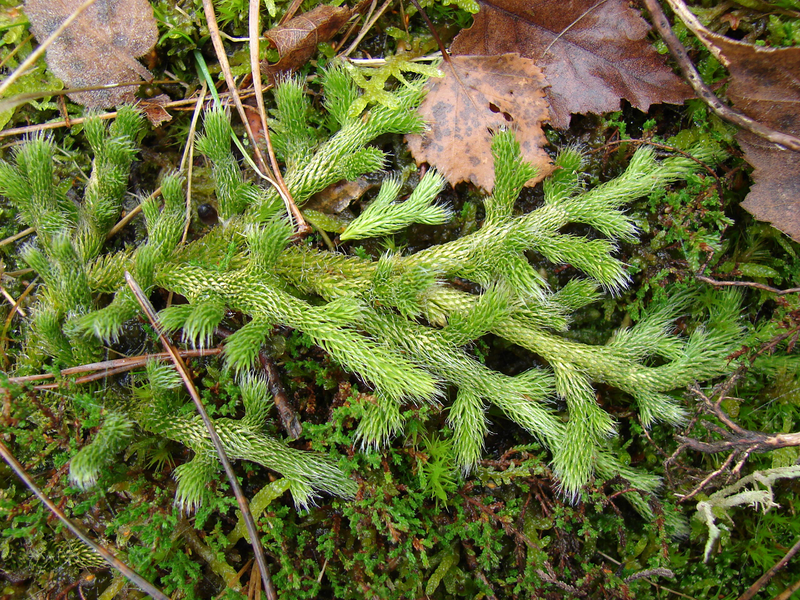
x: 484, y: 94
x: 592, y: 52
x: 338, y: 196
x: 765, y: 85
x: 297, y: 39
x: 99, y: 48
x: 155, y: 111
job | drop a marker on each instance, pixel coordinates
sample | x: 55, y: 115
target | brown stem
x: 702, y: 90
x: 709, y: 478
x: 212, y: 433
x: 107, y: 368
x: 787, y: 593
x: 120, y: 566
x: 288, y: 416
x: 762, y: 581
x: 254, y: 25
x: 434, y: 33
x: 752, y: 284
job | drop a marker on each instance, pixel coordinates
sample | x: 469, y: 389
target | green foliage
x: 373, y: 80
x: 437, y: 469
x: 384, y: 216
x: 432, y: 475
x: 246, y: 266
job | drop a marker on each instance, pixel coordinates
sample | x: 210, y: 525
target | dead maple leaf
x: 298, y: 38
x: 592, y: 52
x: 484, y: 94
x: 765, y: 86
x: 99, y: 48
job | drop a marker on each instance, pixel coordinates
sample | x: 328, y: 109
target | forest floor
x: 418, y: 526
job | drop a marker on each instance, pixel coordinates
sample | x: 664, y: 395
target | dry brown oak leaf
x: 297, y: 39
x: 765, y: 85
x: 593, y: 53
x: 483, y: 95
x: 100, y: 47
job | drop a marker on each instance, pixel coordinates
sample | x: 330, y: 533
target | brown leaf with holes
x: 484, y: 94
x: 99, y: 48
x: 592, y: 52
x: 298, y: 38
x: 765, y: 85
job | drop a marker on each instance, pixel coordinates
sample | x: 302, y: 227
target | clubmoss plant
x: 396, y: 321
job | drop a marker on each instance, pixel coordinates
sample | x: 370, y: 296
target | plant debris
x: 298, y: 38
x: 99, y: 48
x: 765, y: 85
x: 478, y: 95
x: 592, y: 53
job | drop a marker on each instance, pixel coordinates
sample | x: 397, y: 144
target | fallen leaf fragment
x: 155, y: 111
x: 765, y: 85
x: 482, y: 95
x: 592, y: 52
x: 99, y: 48
x: 298, y: 38
x: 338, y: 196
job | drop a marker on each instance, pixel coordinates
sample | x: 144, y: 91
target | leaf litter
x: 298, y: 38
x: 765, y: 85
x: 591, y: 53
x: 478, y: 95
x: 99, y: 48
x: 586, y: 56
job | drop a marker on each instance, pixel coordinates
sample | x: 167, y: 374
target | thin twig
x: 12, y: 302
x: 764, y: 579
x: 739, y: 442
x: 212, y: 433
x: 112, y: 560
x: 222, y: 57
x: 788, y: 592
x: 18, y: 47
x: 19, y: 99
x: 752, y: 284
x: 17, y: 236
x: 352, y: 28
x: 187, y: 160
x: 709, y: 478
x: 701, y: 89
x: 293, y: 7
x: 117, y: 365
x: 445, y: 53
x: 187, y: 164
x: 254, y: 25
x: 130, y: 216
x: 284, y: 406
x: 12, y: 312
x: 28, y: 129
x: 367, y: 26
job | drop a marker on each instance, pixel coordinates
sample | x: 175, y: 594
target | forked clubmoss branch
x: 394, y: 321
